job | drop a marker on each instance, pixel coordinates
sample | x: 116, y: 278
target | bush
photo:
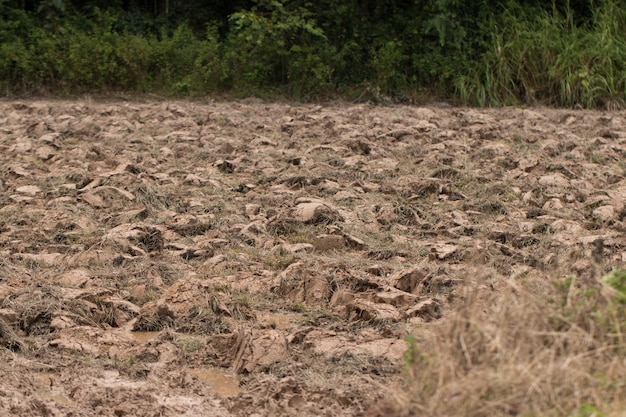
x: 210, y: 71
x: 535, y: 56
x: 273, y: 47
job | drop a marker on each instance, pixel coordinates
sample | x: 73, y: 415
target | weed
x: 413, y: 354
x: 588, y: 410
x: 616, y: 279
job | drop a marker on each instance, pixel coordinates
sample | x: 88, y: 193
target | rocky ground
x: 260, y: 259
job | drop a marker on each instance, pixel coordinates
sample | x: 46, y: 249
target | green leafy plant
x: 274, y: 45
x: 616, y: 279
x: 413, y: 354
x: 588, y: 410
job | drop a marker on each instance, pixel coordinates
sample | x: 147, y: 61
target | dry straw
x: 512, y: 351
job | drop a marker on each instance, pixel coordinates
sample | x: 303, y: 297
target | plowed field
x: 261, y: 259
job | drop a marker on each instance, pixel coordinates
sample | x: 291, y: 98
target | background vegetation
x: 486, y: 52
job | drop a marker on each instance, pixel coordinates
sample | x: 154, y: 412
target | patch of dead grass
x: 156, y: 198
x: 520, y: 352
x: 9, y: 338
x: 36, y: 309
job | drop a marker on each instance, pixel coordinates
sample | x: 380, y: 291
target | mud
x: 260, y: 259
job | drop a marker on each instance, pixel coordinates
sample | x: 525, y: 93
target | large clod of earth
x: 257, y: 259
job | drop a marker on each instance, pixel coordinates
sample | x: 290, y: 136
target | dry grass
x: 554, y: 350
x: 9, y: 339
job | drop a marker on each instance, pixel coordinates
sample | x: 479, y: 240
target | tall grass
x: 536, y: 56
x: 523, y: 350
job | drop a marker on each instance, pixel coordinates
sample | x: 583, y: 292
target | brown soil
x: 257, y: 259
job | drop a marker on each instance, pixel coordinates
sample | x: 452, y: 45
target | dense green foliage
x: 485, y: 52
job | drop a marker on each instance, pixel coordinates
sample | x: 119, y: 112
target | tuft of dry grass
x: 524, y: 350
x: 9, y: 339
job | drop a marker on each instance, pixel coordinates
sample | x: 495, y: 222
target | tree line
x: 484, y: 52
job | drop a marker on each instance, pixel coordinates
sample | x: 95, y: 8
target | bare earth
x: 259, y: 259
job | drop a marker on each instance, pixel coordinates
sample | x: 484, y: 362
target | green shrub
x: 388, y: 66
x: 135, y: 56
x: 535, y: 56
x: 210, y: 71
x: 273, y: 46
x: 14, y: 60
x: 174, y: 56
